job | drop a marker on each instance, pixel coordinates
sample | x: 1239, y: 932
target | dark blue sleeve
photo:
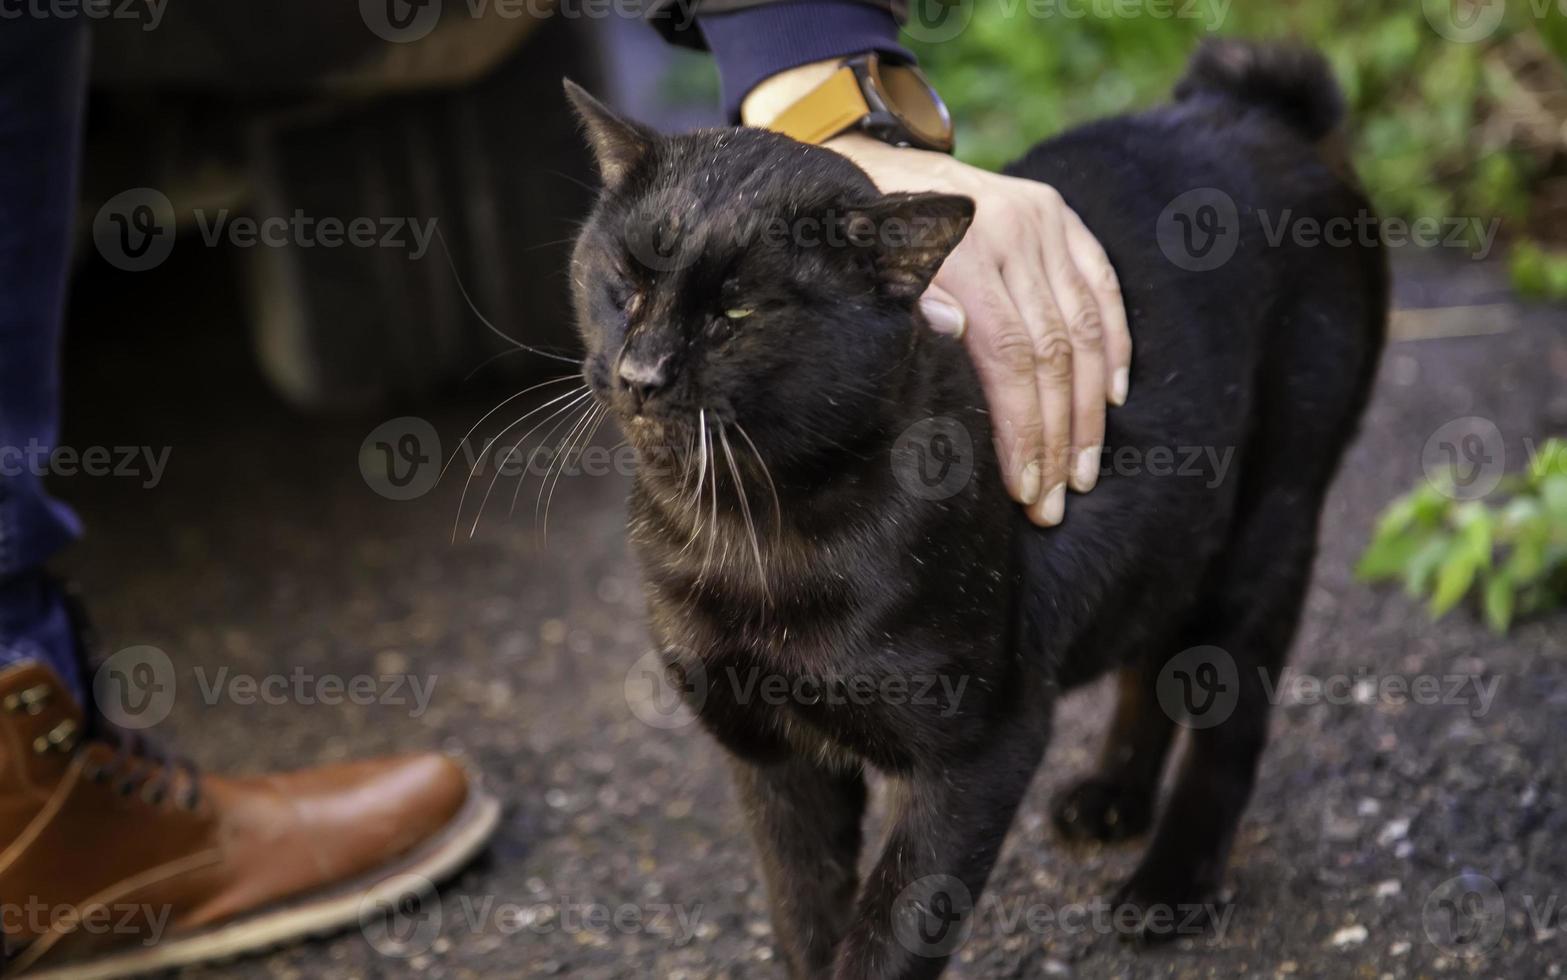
x: 754, y: 43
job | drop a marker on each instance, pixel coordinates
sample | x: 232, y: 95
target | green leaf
x: 1453, y: 580
x: 1527, y: 562
x: 1519, y: 514
x: 1432, y: 503
x: 1534, y: 599
x: 1417, y: 574
x: 1476, y: 520
x: 1387, y: 556
x: 1399, y: 515
x: 1550, y: 458
x: 1553, y: 492
x: 1499, y: 597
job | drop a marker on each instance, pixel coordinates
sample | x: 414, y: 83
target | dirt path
x: 263, y: 551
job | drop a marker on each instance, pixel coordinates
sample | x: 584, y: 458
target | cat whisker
x: 695, y: 507
x: 685, y: 469
x: 497, y: 331
x: 504, y: 402
x: 816, y: 433
x: 543, y: 441
x: 745, y: 509
x: 595, y: 191
x: 492, y: 359
x: 701, y: 473
x: 864, y: 390
x: 712, y: 535
x: 457, y: 521
x: 589, y: 430
x: 499, y: 467
x: 564, y: 459
x: 777, y: 503
x: 556, y: 243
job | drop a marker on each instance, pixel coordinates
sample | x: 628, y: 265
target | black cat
x: 834, y: 570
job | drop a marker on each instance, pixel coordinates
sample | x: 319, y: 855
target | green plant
x: 1439, y: 128
x: 1421, y: 106
x: 1539, y: 272
x: 1509, y: 549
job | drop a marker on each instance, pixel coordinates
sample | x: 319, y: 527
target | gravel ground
x: 263, y: 550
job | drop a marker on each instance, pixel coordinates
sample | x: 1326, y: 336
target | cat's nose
x: 644, y: 378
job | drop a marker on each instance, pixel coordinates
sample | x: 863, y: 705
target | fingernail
x: 1028, y: 491
x: 1085, y: 473
x: 1119, y: 383
x: 944, y: 318
x: 1055, y: 505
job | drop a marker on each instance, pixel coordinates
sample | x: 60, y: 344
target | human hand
x: 1039, y: 307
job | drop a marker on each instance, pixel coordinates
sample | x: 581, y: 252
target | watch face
x: 906, y: 95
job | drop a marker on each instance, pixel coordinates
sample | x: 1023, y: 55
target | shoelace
x: 135, y: 753
x: 129, y: 747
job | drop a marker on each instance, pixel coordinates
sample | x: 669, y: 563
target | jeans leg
x: 43, y: 77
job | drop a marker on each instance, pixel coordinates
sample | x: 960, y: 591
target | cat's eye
x: 738, y: 313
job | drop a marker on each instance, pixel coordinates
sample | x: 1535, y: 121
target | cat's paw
x: 1101, y: 810
x: 1158, y: 905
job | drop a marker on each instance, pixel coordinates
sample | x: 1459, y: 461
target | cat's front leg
x: 805, y: 820
x: 915, y: 909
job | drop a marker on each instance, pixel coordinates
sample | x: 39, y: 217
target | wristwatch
x: 893, y: 103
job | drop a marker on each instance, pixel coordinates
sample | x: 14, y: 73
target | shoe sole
x: 314, y: 917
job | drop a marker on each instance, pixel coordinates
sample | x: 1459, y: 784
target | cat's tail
x: 1292, y: 82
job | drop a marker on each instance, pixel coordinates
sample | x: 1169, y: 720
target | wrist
x: 863, y: 148
x: 898, y: 168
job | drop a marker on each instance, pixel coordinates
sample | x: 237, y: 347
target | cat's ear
x: 910, y: 235
x: 618, y: 144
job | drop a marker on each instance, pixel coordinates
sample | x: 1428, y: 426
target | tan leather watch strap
x: 827, y: 110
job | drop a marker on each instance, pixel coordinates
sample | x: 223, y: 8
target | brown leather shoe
x: 115, y: 861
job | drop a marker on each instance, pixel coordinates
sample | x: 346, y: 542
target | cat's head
x: 738, y: 276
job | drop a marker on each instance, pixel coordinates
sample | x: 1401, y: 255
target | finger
x: 1003, y: 353
x: 1085, y: 331
x: 943, y: 313
x: 1090, y: 258
x: 1052, y: 377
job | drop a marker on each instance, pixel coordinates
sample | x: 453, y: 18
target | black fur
x: 1294, y: 83
x: 926, y: 639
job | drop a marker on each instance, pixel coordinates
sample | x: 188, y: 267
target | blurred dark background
x: 1458, y: 112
